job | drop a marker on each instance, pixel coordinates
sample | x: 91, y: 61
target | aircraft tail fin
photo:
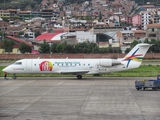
x: 136, y: 55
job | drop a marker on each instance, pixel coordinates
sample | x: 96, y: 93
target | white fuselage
x: 73, y: 66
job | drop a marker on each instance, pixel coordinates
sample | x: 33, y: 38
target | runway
x: 92, y: 98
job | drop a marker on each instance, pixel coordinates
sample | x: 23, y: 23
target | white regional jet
x: 80, y: 66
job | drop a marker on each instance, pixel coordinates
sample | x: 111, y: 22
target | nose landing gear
x: 79, y: 76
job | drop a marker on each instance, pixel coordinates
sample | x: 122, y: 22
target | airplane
x: 79, y: 67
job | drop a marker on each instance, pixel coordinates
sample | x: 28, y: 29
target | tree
x: 24, y: 48
x: 53, y: 47
x: 146, y: 41
x: 95, y: 50
x: 37, y: 33
x: 100, y: 15
x: 7, y: 45
x: 155, y: 46
x: 68, y: 49
x: 88, y: 17
x: 45, y: 47
x: 15, y: 18
x: 127, y: 50
x: 103, y: 50
x: 91, y: 47
x: 1, y: 33
x: 64, y: 44
x: 20, y: 33
x: 26, y: 35
x: 85, y: 50
x: 6, y: 19
x: 81, y: 47
x: 134, y: 43
x: 59, y: 48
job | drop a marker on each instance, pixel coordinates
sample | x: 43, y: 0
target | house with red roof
x: 17, y: 42
x: 50, y: 37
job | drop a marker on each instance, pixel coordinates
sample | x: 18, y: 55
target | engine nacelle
x: 108, y: 62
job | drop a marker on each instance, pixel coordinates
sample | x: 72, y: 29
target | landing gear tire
x: 144, y: 88
x: 14, y: 76
x: 79, y: 76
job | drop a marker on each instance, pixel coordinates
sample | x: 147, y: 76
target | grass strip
x: 142, y: 71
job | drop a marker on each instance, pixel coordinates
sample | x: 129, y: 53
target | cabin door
x: 29, y: 64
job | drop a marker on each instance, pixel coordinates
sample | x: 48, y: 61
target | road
x: 92, y: 98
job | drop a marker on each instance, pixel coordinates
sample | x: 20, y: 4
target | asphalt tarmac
x: 92, y: 98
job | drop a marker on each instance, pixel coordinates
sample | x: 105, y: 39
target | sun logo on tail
x: 134, y: 56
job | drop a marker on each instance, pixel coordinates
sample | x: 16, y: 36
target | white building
x: 85, y: 36
x: 29, y: 35
x: 146, y: 19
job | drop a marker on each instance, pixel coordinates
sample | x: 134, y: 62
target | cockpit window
x: 18, y: 63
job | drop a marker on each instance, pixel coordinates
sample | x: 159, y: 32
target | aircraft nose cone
x: 5, y: 69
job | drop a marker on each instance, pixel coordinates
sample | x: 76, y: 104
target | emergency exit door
x: 29, y: 64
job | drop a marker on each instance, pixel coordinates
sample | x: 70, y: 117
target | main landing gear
x: 14, y: 76
x: 79, y: 76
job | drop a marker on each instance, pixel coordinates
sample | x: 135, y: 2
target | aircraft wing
x: 74, y: 72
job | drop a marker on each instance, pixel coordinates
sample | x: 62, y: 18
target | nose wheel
x: 79, y: 76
